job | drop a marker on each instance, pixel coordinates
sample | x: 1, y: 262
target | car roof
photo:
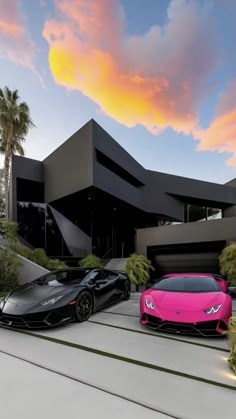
x: 190, y: 274
x: 88, y: 269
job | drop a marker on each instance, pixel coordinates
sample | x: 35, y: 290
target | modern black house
x: 90, y: 195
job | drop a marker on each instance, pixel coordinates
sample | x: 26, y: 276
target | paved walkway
x: 112, y: 367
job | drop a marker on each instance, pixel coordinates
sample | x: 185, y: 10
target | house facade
x: 90, y: 195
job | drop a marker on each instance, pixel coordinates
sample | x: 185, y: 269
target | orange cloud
x: 221, y: 134
x: 157, y: 79
x: 15, y: 42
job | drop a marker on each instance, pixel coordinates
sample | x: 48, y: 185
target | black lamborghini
x: 63, y: 296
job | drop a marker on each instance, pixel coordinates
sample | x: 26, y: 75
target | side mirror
x: 100, y: 282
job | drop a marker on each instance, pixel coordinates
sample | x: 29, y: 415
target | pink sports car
x: 187, y: 303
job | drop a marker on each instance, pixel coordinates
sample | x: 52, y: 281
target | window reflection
x: 200, y: 213
x: 214, y: 213
x: 31, y: 223
x: 38, y: 227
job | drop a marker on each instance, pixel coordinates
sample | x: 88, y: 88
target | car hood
x: 185, y: 301
x: 32, y: 294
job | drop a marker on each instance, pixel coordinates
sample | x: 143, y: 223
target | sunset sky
x: 158, y: 75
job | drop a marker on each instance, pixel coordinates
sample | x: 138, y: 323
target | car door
x: 104, y: 287
x: 97, y: 281
x: 113, y: 291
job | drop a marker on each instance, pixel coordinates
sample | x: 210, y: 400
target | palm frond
x: 15, y: 122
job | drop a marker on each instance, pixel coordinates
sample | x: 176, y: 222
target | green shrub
x: 39, y: 256
x: 54, y: 264
x: 22, y: 250
x: 232, y: 341
x: 9, y: 270
x: 227, y: 261
x: 91, y: 261
x: 138, y: 268
x: 9, y: 230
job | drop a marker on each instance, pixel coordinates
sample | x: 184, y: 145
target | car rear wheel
x: 83, y: 307
x: 126, y: 290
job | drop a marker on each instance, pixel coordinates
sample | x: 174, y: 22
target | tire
x: 126, y: 290
x: 83, y: 307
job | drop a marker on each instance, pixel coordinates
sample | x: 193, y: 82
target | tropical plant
x: 8, y: 229
x: 54, y: 264
x: 227, y: 261
x: 38, y: 256
x: 91, y: 261
x: 9, y: 270
x: 232, y: 342
x: 15, y: 122
x: 138, y: 268
x: 22, y: 250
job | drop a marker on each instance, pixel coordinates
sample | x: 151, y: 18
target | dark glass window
x: 55, y: 244
x: 214, y: 213
x: 31, y: 223
x: 196, y: 213
x: 187, y: 284
x: 110, y: 275
x: 29, y: 190
x: 37, y: 226
x: 62, y: 277
x: 117, y: 169
x: 200, y: 213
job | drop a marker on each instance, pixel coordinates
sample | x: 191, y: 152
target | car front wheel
x: 83, y: 307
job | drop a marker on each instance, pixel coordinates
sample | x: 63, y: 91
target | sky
x: 158, y: 75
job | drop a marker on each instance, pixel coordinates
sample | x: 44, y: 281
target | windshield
x: 187, y: 284
x: 59, y: 278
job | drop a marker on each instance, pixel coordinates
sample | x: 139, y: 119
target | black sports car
x: 62, y: 296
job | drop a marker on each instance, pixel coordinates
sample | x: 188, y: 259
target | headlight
x: 51, y: 301
x: 149, y: 304
x: 213, y: 309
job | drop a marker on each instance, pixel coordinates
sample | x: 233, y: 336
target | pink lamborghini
x: 187, y: 303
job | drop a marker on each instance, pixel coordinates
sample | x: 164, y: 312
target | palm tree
x: 15, y: 122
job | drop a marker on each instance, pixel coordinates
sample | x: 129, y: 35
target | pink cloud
x: 15, y: 41
x: 157, y: 79
x: 221, y: 134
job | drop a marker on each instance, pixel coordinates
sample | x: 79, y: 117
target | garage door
x: 190, y: 257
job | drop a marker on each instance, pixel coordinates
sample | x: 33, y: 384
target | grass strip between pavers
x: 215, y: 348
x: 96, y: 387
x: 119, y: 314
x: 127, y: 360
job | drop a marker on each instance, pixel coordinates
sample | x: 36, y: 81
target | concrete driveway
x: 112, y: 367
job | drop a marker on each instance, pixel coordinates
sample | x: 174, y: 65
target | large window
x: 29, y: 190
x: 214, y: 213
x: 117, y: 169
x: 38, y: 227
x: 200, y: 213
